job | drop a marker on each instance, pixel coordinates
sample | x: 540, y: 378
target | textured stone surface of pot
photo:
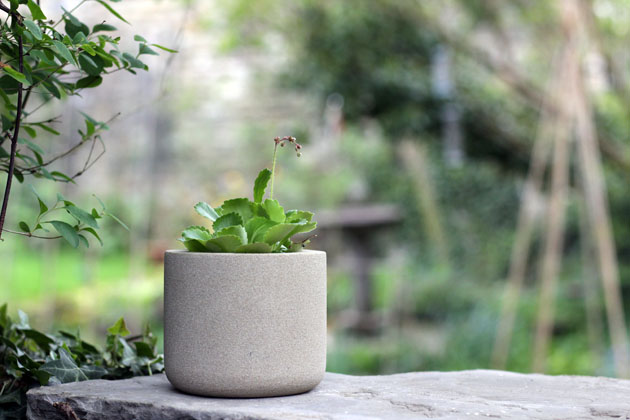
x: 245, y: 325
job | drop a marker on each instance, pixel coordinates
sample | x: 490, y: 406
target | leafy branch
x: 15, y: 18
x: 30, y: 358
x: 38, y: 58
x: 74, y: 232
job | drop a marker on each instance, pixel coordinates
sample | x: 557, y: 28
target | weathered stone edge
x: 60, y: 407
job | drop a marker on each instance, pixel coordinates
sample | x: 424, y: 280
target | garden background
x: 426, y: 110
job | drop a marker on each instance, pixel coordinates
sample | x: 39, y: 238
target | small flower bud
x: 299, y: 154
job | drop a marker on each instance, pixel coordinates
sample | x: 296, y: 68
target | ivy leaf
x: 229, y: 219
x: 14, y: 397
x: 238, y: 231
x: 274, y: 210
x: 119, y: 328
x: 23, y: 320
x: 260, y: 185
x: 255, y: 248
x: 64, y: 368
x: 93, y: 371
x: 82, y: 216
x: 36, y: 12
x: 67, y: 231
x: 112, y: 11
x: 206, y: 211
x: 129, y: 355
x: 42, y: 340
x: 144, y: 350
x: 228, y: 243
x: 242, y: 206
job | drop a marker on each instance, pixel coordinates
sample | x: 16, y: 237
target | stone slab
x: 437, y: 395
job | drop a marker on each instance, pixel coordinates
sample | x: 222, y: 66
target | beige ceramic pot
x: 245, y: 325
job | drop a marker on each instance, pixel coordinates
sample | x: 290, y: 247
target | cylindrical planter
x: 245, y: 325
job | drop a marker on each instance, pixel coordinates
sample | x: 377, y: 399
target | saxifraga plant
x: 30, y: 358
x: 245, y: 226
x: 41, y: 60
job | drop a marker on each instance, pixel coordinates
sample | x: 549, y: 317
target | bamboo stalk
x: 552, y: 256
x: 594, y: 321
x: 526, y: 222
x: 597, y: 206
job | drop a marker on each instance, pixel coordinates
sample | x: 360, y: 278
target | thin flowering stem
x: 273, y: 169
x: 281, y: 142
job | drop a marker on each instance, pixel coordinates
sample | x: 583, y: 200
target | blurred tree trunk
x: 414, y: 160
x: 444, y: 88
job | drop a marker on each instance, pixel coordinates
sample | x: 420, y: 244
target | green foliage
x: 74, y: 229
x: 260, y: 185
x: 30, y: 358
x: 58, y: 59
x: 244, y: 226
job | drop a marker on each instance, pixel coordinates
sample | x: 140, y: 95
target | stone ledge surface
x: 437, y: 395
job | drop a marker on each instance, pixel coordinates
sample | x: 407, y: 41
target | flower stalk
x: 281, y: 141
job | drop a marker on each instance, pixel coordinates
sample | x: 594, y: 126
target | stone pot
x: 245, y: 325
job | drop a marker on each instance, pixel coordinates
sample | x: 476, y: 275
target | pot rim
x: 271, y: 254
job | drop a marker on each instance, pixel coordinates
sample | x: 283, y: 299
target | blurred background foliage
x: 429, y: 107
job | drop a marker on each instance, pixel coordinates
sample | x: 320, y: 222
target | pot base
x: 245, y: 388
